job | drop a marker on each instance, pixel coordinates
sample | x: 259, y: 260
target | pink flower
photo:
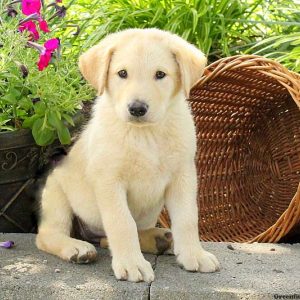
x: 31, y: 27
x: 45, y: 57
x: 36, y: 17
x: 31, y: 6
x: 58, y: 1
x: 52, y: 44
x: 43, y: 25
x: 44, y: 60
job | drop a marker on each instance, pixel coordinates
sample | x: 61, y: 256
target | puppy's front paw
x: 132, y: 269
x: 198, y: 260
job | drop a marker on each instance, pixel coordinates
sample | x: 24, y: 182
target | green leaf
x: 54, y: 121
x: 25, y: 103
x: 6, y: 128
x: 9, y: 98
x: 157, y: 16
x: 40, y: 108
x: 28, y: 122
x: 64, y: 135
x: 195, y: 18
x: 42, y: 135
x: 58, y: 114
x: 14, y: 94
x: 69, y: 119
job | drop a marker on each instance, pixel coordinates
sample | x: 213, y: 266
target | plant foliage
x: 44, y: 101
x: 219, y: 28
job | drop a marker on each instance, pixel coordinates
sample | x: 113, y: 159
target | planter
x: 23, y: 169
x: 19, y: 163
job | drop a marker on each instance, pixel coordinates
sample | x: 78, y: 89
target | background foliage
x: 46, y: 101
x: 219, y: 27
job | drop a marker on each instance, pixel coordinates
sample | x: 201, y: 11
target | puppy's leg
x: 153, y: 241
x: 54, y: 229
x: 182, y: 207
x: 128, y: 262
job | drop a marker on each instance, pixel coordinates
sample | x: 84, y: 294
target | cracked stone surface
x: 249, y: 271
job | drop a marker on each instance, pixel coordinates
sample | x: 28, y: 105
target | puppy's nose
x: 138, y: 108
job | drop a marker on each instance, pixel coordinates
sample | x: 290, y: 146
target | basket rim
x: 289, y: 79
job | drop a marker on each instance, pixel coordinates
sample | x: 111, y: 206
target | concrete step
x: 249, y: 271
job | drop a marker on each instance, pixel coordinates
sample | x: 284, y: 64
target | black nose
x: 137, y: 108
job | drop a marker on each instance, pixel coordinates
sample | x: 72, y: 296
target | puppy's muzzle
x: 138, y: 108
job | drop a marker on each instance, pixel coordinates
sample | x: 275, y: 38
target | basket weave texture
x: 246, y: 110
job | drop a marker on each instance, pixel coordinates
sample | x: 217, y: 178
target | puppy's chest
x: 147, y: 169
x: 149, y: 160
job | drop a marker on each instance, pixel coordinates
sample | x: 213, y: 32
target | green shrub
x: 219, y: 27
x: 283, y: 48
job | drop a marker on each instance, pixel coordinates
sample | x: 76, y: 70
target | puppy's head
x: 142, y: 72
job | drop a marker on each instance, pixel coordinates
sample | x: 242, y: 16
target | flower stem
x: 14, y: 2
x: 34, y: 17
x: 37, y: 46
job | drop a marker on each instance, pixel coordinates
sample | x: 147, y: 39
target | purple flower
x: 23, y: 69
x: 35, y: 100
x: 7, y: 244
x: 60, y: 11
x: 11, y: 12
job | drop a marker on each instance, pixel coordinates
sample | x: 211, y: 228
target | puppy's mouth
x: 139, y: 121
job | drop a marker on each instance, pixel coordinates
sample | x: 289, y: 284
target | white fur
x: 120, y: 172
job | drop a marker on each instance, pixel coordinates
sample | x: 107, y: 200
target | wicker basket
x: 246, y: 110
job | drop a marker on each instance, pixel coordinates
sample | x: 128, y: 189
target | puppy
x: 135, y: 156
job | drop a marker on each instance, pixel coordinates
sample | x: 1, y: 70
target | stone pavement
x: 249, y: 271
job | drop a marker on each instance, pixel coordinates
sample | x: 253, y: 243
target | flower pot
x: 19, y: 163
x: 23, y: 170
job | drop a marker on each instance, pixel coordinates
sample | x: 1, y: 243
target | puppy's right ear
x: 94, y: 63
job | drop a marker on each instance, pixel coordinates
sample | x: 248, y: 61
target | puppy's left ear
x: 191, y: 62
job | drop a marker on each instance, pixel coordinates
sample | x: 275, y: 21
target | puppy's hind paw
x: 80, y: 252
x: 156, y: 241
x: 164, y: 243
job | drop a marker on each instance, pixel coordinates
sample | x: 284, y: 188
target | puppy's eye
x: 160, y: 75
x: 123, y: 74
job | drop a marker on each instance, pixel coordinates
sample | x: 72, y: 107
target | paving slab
x: 249, y: 271
x: 27, y: 273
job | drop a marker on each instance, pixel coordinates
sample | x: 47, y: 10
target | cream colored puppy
x: 135, y: 155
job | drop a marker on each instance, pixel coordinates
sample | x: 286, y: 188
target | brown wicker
x: 246, y: 110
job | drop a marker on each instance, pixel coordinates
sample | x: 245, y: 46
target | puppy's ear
x: 94, y: 63
x: 191, y: 62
